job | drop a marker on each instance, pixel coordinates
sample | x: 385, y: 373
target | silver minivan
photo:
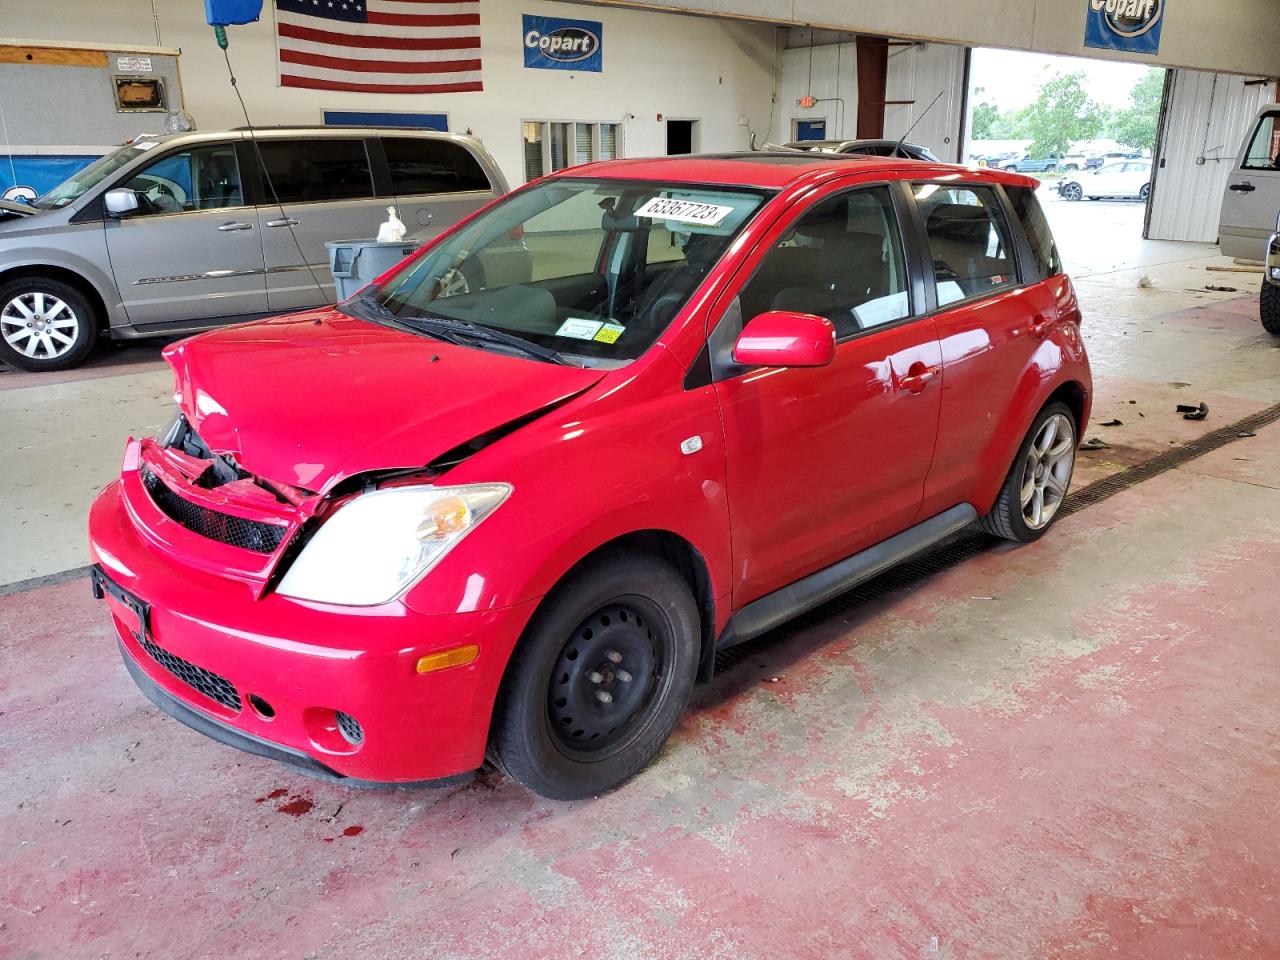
x: 1252, y: 197
x: 173, y: 234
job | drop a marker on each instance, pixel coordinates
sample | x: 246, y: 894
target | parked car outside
x: 1252, y: 196
x: 532, y: 513
x: 1101, y: 160
x: 868, y: 148
x: 1126, y: 179
x: 172, y: 234
x: 1053, y: 163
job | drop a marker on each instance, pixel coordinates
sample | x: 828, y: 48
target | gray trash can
x: 354, y: 263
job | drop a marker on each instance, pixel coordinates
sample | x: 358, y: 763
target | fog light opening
x: 350, y: 728
x: 264, y: 710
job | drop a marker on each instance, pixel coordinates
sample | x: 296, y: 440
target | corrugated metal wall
x: 1206, y: 120
x: 825, y: 72
x: 920, y: 72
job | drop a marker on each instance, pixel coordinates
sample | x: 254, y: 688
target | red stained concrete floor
x: 1066, y: 750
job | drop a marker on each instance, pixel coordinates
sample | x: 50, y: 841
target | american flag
x: 379, y: 46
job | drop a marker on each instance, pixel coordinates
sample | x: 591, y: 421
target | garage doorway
x: 682, y: 137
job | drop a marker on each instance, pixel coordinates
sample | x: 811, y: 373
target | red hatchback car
x: 511, y: 499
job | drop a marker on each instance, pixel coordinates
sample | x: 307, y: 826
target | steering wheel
x: 161, y: 199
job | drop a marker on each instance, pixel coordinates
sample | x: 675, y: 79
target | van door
x: 1252, y: 198
x: 324, y: 186
x: 436, y: 181
x: 193, y: 249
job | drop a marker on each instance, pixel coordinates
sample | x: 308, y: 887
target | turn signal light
x: 457, y: 657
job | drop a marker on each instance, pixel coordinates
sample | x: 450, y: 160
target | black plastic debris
x: 1192, y: 411
x: 1112, y: 423
x: 1219, y: 289
x: 1093, y: 443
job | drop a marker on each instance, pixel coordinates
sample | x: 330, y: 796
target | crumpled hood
x: 315, y: 397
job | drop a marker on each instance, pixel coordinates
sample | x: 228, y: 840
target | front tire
x: 599, y: 680
x: 1037, y: 484
x: 1072, y: 191
x: 45, y: 324
x: 1269, y: 308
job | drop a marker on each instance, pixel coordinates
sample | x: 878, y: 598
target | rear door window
x: 968, y: 241
x: 1029, y: 212
x: 307, y: 171
x: 420, y: 165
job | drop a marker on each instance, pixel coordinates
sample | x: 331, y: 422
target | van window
x: 1264, y: 148
x: 304, y: 171
x: 967, y: 240
x: 421, y: 165
x: 1031, y: 214
x: 201, y: 178
x: 841, y: 260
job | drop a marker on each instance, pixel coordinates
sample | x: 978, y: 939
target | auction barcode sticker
x: 684, y: 211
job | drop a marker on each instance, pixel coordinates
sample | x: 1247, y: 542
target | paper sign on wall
x: 133, y: 64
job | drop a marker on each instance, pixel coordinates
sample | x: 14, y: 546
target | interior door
x: 324, y: 186
x: 824, y: 462
x: 1252, y: 197
x: 193, y: 249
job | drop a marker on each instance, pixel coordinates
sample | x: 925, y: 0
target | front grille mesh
x: 350, y: 728
x: 237, y: 531
x: 216, y: 688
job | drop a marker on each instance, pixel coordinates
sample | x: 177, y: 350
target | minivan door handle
x: 228, y: 227
x: 286, y: 222
x: 1243, y: 187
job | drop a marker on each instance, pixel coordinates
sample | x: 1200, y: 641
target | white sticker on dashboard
x: 684, y: 211
x: 579, y: 328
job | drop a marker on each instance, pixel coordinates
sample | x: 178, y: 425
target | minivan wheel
x: 1269, y: 308
x: 1037, y: 483
x: 599, y: 680
x: 45, y: 324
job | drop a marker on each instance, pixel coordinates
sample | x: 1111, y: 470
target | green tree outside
x: 1063, y: 114
x: 1135, y: 125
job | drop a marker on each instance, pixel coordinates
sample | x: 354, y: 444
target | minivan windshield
x: 78, y: 183
x: 593, y: 270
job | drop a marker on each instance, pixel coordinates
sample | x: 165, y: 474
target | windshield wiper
x: 448, y: 326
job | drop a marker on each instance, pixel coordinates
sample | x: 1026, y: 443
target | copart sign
x: 553, y: 43
x: 1129, y: 25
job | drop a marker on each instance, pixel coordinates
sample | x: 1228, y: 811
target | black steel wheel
x: 599, y: 680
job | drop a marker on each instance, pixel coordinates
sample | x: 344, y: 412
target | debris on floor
x: 1145, y: 282
x: 1094, y: 443
x: 1217, y: 289
x: 1113, y: 422
x: 1191, y: 411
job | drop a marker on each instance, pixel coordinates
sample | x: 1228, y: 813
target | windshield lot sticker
x: 579, y: 329
x: 684, y: 211
x: 609, y: 333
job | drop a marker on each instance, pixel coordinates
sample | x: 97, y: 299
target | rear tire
x: 599, y: 680
x: 45, y: 324
x: 1269, y: 308
x: 1038, y: 480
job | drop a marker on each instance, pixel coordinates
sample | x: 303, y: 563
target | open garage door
x: 1202, y: 122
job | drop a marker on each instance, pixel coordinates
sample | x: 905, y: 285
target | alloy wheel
x: 1046, y: 471
x: 39, y: 325
x: 607, y: 679
x: 1072, y: 191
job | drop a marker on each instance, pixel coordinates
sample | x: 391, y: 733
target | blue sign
x: 1130, y: 26
x: 553, y: 43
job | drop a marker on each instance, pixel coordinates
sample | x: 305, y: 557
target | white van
x: 1252, y: 198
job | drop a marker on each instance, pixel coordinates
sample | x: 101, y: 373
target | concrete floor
x: 1066, y: 750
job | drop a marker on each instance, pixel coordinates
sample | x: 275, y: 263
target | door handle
x: 917, y: 378
x: 286, y: 222
x: 228, y: 227
x: 1040, y: 327
x: 1243, y: 187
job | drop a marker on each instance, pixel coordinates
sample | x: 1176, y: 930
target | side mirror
x: 781, y: 338
x: 120, y: 201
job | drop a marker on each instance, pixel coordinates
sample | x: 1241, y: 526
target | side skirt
x: 774, y: 609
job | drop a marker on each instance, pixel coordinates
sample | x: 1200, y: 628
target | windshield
x: 593, y: 269
x: 75, y: 186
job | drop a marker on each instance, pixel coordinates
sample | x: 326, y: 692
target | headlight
x: 378, y: 544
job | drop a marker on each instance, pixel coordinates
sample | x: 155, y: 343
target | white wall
x: 919, y: 73
x: 1238, y: 36
x: 1209, y: 115
x: 827, y: 72
x: 714, y: 70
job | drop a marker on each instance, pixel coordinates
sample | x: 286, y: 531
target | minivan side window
x: 305, y: 171
x: 1031, y: 215
x: 199, y: 178
x: 422, y: 165
x: 1264, y: 148
x: 842, y: 260
x: 968, y: 242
